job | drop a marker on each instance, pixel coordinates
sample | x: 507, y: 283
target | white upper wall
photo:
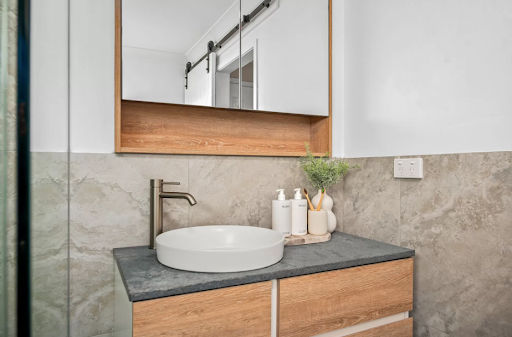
x: 49, y: 76
x: 338, y: 39
x: 423, y: 76
x: 92, y: 38
x: 410, y: 77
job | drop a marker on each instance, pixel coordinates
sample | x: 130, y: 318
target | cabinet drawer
x: 234, y: 311
x: 396, y: 329
x: 323, y: 302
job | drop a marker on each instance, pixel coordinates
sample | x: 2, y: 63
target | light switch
x: 409, y: 168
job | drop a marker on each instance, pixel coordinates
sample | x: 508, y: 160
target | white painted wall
x: 410, y: 77
x: 49, y: 76
x: 338, y: 90
x: 153, y: 76
x: 92, y: 76
x: 423, y: 76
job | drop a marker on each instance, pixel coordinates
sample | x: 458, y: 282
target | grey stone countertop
x: 145, y: 278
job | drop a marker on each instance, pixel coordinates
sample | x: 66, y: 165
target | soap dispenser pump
x: 281, y: 195
x: 299, y: 214
x: 282, y: 214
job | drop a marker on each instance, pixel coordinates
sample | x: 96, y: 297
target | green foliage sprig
x: 323, y: 172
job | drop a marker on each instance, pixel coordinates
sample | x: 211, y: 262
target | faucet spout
x: 156, y: 197
x: 179, y: 195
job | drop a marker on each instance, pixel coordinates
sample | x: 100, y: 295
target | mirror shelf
x: 184, y: 129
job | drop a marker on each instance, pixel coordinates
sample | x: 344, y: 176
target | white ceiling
x: 169, y: 25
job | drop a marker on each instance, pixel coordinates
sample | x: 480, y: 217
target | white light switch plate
x: 409, y: 168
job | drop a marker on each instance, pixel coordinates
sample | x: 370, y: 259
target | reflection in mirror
x: 171, y: 50
x: 226, y: 84
x: 288, y: 44
x: 188, y: 52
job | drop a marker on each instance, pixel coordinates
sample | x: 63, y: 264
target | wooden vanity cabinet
x: 234, y: 311
x: 366, y: 301
x: 313, y: 304
x: 401, y: 328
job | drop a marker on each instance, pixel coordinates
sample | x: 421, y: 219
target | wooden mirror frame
x: 146, y: 127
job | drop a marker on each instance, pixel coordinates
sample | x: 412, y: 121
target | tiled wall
x: 110, y: 208
x: 8, y: 148
x: 459, y: 221
x: 49, y: 244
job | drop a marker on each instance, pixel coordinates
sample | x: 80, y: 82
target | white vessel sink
x: 219, y: 249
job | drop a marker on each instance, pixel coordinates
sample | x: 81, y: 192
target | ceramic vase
x: 327, y: 204
x: 317, y: 222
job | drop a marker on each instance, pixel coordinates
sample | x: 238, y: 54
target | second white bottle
x: 299, y: 214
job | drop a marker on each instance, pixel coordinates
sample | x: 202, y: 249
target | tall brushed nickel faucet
x: 156, y: 196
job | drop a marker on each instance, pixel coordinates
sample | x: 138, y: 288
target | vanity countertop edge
x: 145, y: 278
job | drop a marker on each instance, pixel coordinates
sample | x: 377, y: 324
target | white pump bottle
x: 299, y: 214
x: 282, y: 214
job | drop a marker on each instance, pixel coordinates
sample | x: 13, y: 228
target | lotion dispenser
x: 299, y: 214
x: 282, y: 214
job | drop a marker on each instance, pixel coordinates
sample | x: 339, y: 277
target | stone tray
x: 306, y: 239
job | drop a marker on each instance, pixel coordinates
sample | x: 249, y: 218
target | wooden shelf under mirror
x: 185, y: 129
x: 147, y: 127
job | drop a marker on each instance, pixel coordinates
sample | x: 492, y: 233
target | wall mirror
x: 285, y: 54
x: 165, y: 56
x: 188, y: 80
x: 189, y: 52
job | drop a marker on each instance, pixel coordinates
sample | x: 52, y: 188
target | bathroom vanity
x: 349, y: 286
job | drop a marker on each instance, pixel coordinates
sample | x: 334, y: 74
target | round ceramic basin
x: 219, y: 249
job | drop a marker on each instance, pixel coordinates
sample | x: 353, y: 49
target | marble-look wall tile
x: 49, y: 238
x: 10, y: 146
x: 458, y: 219
x: 422, y: 330
x: 457, y: 229
x: 3, y: 111
x: 11, y: 235
x: 92, y: 292
x: 371, y: 200
x: 12, y: 78
x: 3, y: 239
x: 110, y: 208
x: 110, y: 197
x: 336, y: 193
x: 240, y: 190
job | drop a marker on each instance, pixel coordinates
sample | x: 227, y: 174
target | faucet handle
x: 169, y: 183
x: 158, y: 183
